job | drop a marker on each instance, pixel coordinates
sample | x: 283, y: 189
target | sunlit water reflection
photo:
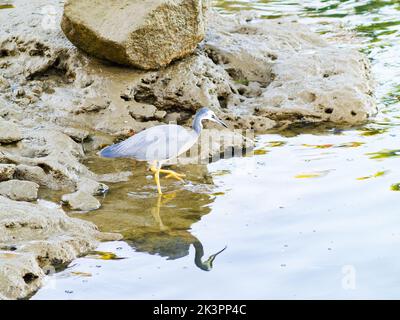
x: 312, y: 215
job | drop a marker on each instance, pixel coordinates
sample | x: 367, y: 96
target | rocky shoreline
x: 54, y: 99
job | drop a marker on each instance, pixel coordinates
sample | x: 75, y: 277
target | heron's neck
x: 199, y: 253
x: 197, y: 125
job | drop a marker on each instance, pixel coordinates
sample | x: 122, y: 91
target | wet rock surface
x: 6, y: 171
x: 9, y: 132
x: 215, y: 144
x: 35, y: 237
x: 59, y: 105
x: 19, y: 190
x: 81, y: 200
x: 20, y: 275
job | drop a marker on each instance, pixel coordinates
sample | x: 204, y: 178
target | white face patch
x: 210, y: 115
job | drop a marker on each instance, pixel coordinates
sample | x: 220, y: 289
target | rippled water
x: 314, y: 214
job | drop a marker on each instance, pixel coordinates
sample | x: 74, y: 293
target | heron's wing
x: 157, y: 143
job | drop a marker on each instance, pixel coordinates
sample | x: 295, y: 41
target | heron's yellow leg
x: 173, y: 174
x: 156, y: 178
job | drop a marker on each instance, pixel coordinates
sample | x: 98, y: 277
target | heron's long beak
x: 218, y: 120
x: 210, y: 260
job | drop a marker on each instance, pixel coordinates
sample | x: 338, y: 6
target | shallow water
x: 313, y: 214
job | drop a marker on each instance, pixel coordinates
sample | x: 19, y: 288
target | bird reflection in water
x: 205, y: 265
x: 157, y: 225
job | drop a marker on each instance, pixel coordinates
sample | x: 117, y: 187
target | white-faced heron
x: 161, y: 143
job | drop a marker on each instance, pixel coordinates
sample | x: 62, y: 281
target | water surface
x: 313, y: 214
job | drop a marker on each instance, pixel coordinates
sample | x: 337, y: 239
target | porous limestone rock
x: 215, y: 144
x: 92, y: 187
x: 20, y: 275
x: 9, y: 132
x: 48, y: 157
x: 19, y: 190
x: 37, y: 237
x: 81, y: 200
x: 264, y: 73
x: 6, y: 171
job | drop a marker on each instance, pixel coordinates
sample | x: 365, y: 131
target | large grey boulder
x: 147, y: 34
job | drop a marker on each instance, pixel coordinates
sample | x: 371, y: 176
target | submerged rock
x: 19, y: 190
x: 92, y: 187
x: 81, y: 200
x: 146, y: 34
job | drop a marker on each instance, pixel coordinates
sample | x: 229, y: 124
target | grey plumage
x: 161, y: 143
x: 157, y: 143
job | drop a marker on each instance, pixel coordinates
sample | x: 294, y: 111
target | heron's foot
x: 173, y: 174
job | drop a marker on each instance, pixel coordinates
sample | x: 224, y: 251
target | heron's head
x: 208, y: 264
x: 207, y: 114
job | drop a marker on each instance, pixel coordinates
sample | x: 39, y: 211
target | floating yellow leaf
x: 315, y: 174
x: 384, y: 154
x: 395, y: 187
x: 6, y: 6
x: 318, y: 146
x: 379, y: 174
x: 372, y: 131
x: 218, y: 193
x: 81, y: 274
x: 103, y: 255
x: 353, y: 144
x: 260, y: 152
x: 308, y: 175
x: 376, y: 175
x: 221, y: 173
x: 274, y: 144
